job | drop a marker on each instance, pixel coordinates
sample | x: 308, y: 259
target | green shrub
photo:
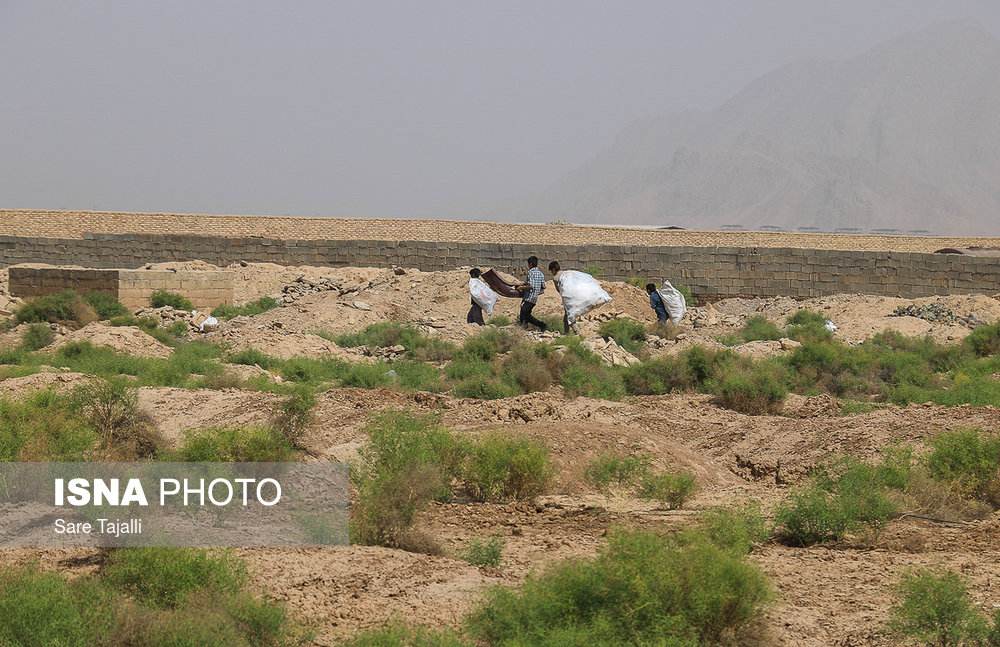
x: 253, y: 357
x: 37, y: 336
x: 484, y: 553
x: 828, y: 507
x: 615, y: 475
x: 554, y: 323
x: 418, y: 376
x: 234, y: 445
x: 486, y: 345
x: 627, y: 333
x: 934, y: 608
x: 969, y: 460
x: 66, y: 307
x: 163, y: 577
x: 161, y: 298
x: 737, y: 527
x: 753, y: 390
x: 483, y: 389
x: 105, y: 305
x: 984, y: 340
x: 43, y: 609
x: 526, y: 369
x: 502, y: 468
x: 807, y: 326
x: 656, y: 377
x: 178, y: 329
x: 397, y: 634
x: 670, y: 490
x: 295, y: 414
x: 367, y: 376
x: 390, y: 333
x: 500, y: 321
x: 640, y: 590
x: 257, y: 307
x: 591, y: 380
x: 43, y: 426
x: 408, y: 461
x: 595, y: 271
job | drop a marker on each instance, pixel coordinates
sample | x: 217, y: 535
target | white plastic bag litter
x: 483, y: 295
x: 580, y: 293
x: 829, y: 325
x: 673, y: 300
x: 208, y: 325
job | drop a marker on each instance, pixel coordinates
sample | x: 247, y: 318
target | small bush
x: 754, y: 390
x: 161, y: 298
x: 43, y: 609
x: 640, y: 590
x: 969, y: 460
x: 984, y: 340
x: 257, y: 307
x: 43, y: 426
x: 670, y: 490
x: 235, y: 445
x: 665, y: 330
x: 595, y: 271
x: 105, y: 305
x: 397, y: 634
x: 502, y: 468
x: 67, y: 308
x: 484, y: 553
x: 407, y: 462
x: 615, y: 475
x: 500, y: 321
x: 807, y: 326
x: 163, y: 577
x: 526, y: 369
x: 627, y: 333
x: 486, y: 345
x: 483, y: 388
x: 828, y: 506
x: 37, y: 336
x: 295, y: 415
x: 738, y: 527
x: 178, y: 329
x: 935, y: 609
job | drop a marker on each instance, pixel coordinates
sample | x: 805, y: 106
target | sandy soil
x: 828, y: 595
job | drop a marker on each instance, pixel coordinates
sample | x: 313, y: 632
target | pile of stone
x: 708, y: 316
x: 938, y: 312
x: 305, y: 285
x: 166, y: 315
x: 611, y: 353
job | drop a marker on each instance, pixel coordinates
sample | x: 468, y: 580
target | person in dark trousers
x: 530, y: 291
x: 656, y: 303
x: 476, y: 311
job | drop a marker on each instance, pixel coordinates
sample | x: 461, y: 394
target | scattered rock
x: 361, y: 305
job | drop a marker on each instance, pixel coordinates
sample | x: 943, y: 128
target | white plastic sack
x: 673, y: 300
x: 580, y: 293
x: 483, y: 295
x: 208, y: 325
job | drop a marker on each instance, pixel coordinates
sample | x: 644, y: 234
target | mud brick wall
x: 205, y: 289
x: 710, y: 272
x: 40, y: 281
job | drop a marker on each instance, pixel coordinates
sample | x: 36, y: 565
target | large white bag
x: 483, y: 295
x: 673, y: 300
x: 580, y: 293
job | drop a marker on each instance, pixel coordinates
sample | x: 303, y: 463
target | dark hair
x: 532, y: 261
x: 474, y: 273
x: 554, y: 267
x: 650, y: 287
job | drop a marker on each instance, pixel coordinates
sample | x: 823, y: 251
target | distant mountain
x: 905, y: 136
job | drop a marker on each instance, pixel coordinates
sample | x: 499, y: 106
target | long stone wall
x: 710, y: 272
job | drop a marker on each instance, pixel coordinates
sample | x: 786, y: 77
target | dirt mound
x: 18, y: 387
x: 177, y: 410
x: 123, y: 339
x: 275, y: 339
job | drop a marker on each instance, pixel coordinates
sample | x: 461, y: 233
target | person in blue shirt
x: 656, y: 303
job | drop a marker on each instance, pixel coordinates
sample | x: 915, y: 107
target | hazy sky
x: 373, y: 108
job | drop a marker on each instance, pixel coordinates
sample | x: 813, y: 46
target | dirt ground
x: 827, y: 595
